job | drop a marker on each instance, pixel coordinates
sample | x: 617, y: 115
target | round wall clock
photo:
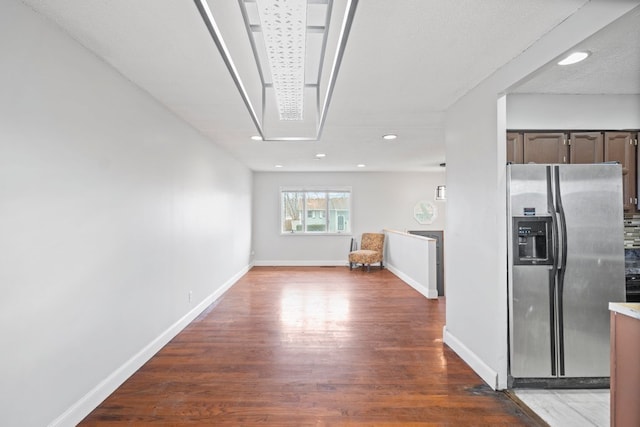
x: 424, y: 212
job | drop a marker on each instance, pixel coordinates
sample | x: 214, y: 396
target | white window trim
x: 317, y: 189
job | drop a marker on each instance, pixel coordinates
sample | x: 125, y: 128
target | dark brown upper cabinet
x: 586, y: 147
x: 515, y: 147
x: 545, y: 148
x: 621, y: 147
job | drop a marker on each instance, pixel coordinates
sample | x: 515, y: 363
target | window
x: 315, y: 212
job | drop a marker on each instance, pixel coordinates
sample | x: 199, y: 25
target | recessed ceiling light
x: 574, y: 58
x: 278, y: 166
x: 362, y: 165
x: 321, y: 155
x: 256, y: 138
x: 389, y: 136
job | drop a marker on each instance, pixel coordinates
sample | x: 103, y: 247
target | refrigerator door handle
x: 563, y: 226
x: 561, y: 268
x: 551, y: 209
x: 553, y: 272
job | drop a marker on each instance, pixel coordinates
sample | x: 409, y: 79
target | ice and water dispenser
x: 532, y: 240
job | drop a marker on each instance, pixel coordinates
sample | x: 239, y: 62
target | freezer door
x: 531, y: 331
x: 594, y: 272
x: 527, y: 190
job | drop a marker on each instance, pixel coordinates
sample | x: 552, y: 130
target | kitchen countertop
x: 631, y: 309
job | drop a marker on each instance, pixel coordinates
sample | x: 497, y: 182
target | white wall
x: 405, y: 256
x: 475, y: 252
x: 112, y: 210
x: 606, y: 112
x: 379, y: 200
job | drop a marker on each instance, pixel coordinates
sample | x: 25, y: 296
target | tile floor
x: 568, y: 408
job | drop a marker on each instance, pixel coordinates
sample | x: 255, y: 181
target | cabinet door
x: 545, y: 148
x: 515, y: 147
x: 621, y: 147
x: 586, y: 147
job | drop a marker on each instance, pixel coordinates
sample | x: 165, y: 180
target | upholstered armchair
x: 370, y: 252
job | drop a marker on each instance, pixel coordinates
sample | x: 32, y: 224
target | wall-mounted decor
x: 425, y: 212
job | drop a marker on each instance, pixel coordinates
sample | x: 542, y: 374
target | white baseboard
x: 487, y: 374
x: 100, y: 392
x: 431, y: 294
x: 300, y: 263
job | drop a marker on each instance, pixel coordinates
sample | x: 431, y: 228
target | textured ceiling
x: 405, y: 63
x: 612, y: 68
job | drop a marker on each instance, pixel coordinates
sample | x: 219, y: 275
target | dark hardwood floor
x: 311, y: 346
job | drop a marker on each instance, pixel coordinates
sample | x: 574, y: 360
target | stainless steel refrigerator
x: 566, y: 263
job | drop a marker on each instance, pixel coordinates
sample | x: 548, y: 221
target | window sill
x: 315, y: 234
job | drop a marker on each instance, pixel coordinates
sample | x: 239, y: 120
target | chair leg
x: 368, y: 268
x: 350, y: 266
x: 381, y: 265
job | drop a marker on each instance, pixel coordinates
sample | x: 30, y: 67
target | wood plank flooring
x: 311, y: 346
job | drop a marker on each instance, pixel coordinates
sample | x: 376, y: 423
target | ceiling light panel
x: 297, y: 48
x: 289, y: 40
x: 283, y: 24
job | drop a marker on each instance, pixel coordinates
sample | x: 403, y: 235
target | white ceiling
x: 612, y: 68
x: 405, y: 63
